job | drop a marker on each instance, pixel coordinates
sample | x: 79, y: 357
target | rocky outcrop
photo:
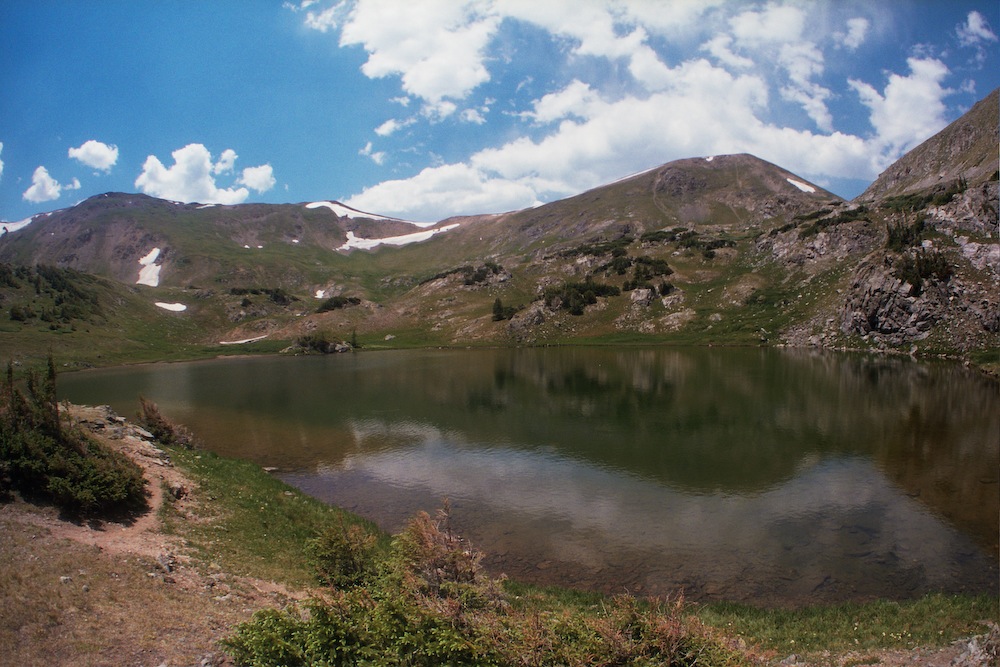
x: 887, y: 307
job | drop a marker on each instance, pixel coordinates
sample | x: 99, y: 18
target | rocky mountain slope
x: 713, y: 250
x: 965, y: 151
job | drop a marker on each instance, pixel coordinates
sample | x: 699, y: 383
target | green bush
x: 923, y: 265
x: 430, y: 603
x: 343, y: 556
x: 338, y: 302
x: 502, y: 312
x: 164, y: 430
x: 902, y: 236
x: 41, y: 458
x: 575, y: 297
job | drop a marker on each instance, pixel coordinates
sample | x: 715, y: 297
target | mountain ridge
x: 727, y: 249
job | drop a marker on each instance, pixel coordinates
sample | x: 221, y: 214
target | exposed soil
x: 125, y: 593
x: 118, y: 593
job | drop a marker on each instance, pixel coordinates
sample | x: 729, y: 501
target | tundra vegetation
x: 40, y: 457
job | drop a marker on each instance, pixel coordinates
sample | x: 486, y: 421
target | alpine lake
x: 766, y: 476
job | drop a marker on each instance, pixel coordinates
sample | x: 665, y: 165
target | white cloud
x: 226, y: 162
x: 328, y: 19
x: 43, y: 187
x: 599, y: 140
x: 437, y: 47
x: 378, y: 157
x: 719, y: 46
x: 857, y: 30
x: 910, y: 109
x: 96, y: 154
x: 803, y: 61
x: 576, y: 99
x: 625, y: 92
x: 775, y: 24
x: 474, y: 116
x: 259, y: 178
x: 976, y: 29
x: 392, y: 126
x: 73, y: 185
x: 452, y: 187
x: 191, y: 178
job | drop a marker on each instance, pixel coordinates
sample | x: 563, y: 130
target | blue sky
x: 432, y: 108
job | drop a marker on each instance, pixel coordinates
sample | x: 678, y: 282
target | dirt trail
x: 118, y: 593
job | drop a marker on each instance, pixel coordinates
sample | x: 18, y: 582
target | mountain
x: 964, y: 152
x: 726, y: 249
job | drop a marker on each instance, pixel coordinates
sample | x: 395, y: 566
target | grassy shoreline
x: 260, y: 527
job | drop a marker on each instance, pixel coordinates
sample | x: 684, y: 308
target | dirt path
x: 117, y: 593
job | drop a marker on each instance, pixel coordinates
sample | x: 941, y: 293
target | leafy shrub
x: 38, y: 457
x: 430, y: 603
x: 164, y: 430
x: 343, y: 556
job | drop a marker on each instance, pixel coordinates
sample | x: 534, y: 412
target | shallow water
x: 765, y: 476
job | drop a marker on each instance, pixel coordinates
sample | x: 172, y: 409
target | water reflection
x: 758, y: 475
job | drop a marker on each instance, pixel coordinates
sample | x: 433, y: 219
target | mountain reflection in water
x: 766, y: 476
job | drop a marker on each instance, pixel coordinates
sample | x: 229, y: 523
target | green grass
x: 932, y: 621
x: 258, y: 525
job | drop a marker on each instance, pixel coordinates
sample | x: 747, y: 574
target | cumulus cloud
x: 720, y: 47
x: 192, y: 177
x: 437, y: 47
x: 633, y: 84
x: 226, y: 162
x: 259, y: 178
x: 975, y: 30
x: 591, y: 144
x: 44, y: 187
x: 910, y: 109
x: 452, y: 187
x: 472, y: 116
x: 857, y: 30
x: 96, y: 155
x: 390, y: 127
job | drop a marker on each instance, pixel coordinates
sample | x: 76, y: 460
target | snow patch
x: 149, y: 274
x: 242, y: 342
x: 208, y: 205
x: 347, y: 212
x: 367, y: 244
x: 321, y: 294
x: 709, y: 158
x: 801, y: 186
x: 8, y: 227
x: 175, y: 307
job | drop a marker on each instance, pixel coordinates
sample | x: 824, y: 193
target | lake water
x: 765, y: 476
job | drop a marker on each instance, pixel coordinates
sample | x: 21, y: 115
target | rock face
x: 882, y: 304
